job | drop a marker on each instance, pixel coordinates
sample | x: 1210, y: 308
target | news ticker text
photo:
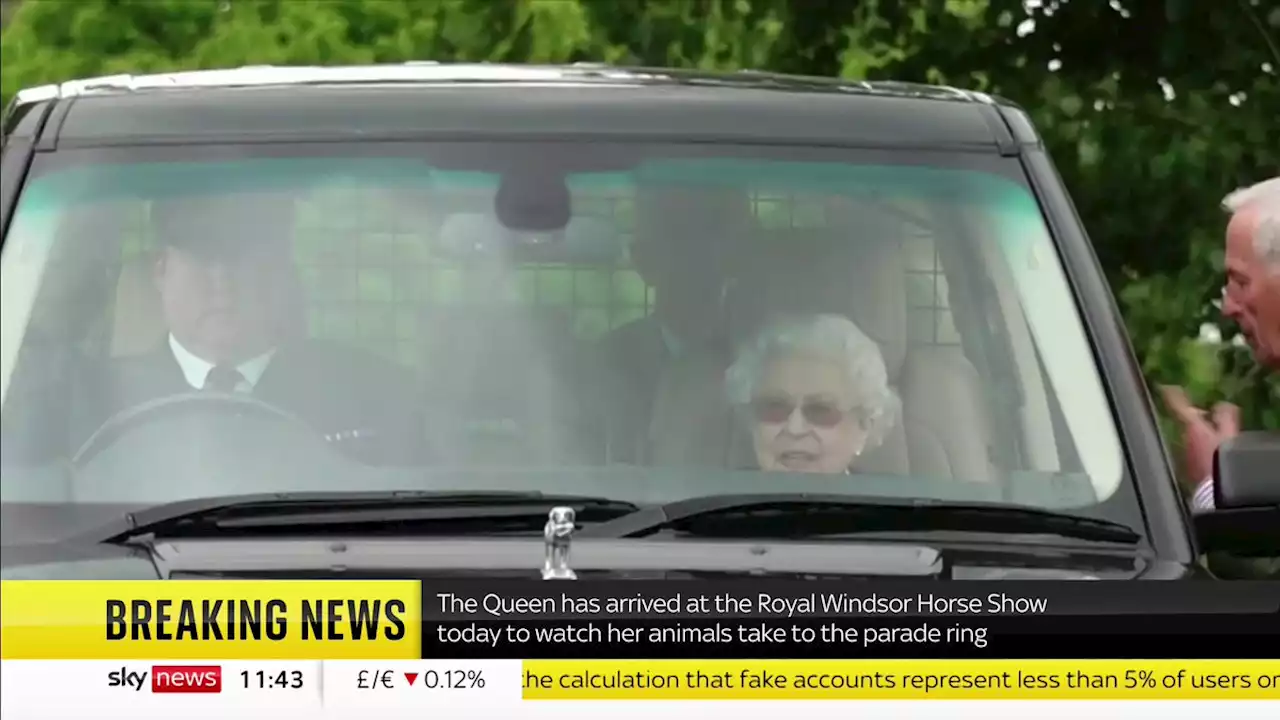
x: 234, y: 619
x: 373, y: 684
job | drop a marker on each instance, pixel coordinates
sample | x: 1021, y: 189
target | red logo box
x: 186, y: 678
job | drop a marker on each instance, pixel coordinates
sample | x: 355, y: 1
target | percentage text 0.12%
x: 447, y: 679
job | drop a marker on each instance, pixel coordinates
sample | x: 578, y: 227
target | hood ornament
x: 557, y: 534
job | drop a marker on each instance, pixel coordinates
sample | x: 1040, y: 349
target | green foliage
x: 1152, y: 112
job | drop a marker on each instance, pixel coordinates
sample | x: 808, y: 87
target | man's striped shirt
x: 1202, y: 498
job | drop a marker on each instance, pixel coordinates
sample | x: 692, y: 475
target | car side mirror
x: 1246, y: 495
x: 1246, y: 471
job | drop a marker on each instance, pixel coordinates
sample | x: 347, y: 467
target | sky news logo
x: 169, y: 679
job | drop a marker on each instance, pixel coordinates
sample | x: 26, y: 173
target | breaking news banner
x: 342, y: 648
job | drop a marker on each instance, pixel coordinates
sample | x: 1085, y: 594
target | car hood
x: 55, y: 542
x: 522, y: 558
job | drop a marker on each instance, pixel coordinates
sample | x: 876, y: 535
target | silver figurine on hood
x: 558, y: 534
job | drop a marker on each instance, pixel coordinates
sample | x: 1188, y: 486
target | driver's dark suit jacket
x: 334, y: 389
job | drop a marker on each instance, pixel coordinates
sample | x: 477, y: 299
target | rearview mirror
x: 1246, y: 493
x: 533, y: 200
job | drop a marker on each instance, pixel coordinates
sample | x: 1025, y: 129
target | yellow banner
x: 210, y: 620
x: 901, y: 680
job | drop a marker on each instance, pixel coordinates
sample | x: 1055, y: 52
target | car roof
x: 418, y: 100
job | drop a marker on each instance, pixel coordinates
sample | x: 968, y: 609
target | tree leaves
x: 1152, y: 109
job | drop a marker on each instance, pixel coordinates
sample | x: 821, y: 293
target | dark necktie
x: 223, y: 378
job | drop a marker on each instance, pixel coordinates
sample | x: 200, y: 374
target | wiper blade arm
x: 298, y: 511
x: 803, y: 515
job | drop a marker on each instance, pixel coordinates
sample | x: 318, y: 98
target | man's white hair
x: 1266, y: 235
x: 833, y: 336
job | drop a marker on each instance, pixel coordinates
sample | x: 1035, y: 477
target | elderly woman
x: 815, y: 394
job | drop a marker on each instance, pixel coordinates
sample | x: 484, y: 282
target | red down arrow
x: 411, y: 677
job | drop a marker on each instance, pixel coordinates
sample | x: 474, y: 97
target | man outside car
x: 1251, y: 298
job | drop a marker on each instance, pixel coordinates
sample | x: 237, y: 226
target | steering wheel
x: 166, y: 407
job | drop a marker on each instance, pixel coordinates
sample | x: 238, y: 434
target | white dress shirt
x: 196, y: 369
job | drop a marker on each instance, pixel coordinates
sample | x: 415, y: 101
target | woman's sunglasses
x: 819, y: 413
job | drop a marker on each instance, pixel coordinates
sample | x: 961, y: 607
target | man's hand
x: 1201, y: 433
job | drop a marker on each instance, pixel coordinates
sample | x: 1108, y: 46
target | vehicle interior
x: 497, y: 293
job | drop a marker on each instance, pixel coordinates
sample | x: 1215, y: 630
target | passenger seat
x: 945, y: 431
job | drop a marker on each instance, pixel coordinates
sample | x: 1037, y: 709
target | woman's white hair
x: 1266, y: 235
x: 833, y: 336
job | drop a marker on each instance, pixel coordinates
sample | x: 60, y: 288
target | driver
x: 229, y: 298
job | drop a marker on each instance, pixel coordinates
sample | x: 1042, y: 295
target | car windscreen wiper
x: 408, y: 513
x: 801, y: 515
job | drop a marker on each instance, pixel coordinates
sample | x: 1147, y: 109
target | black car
x: 383, y: 321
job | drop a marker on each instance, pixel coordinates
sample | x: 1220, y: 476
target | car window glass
x: 407, y: 303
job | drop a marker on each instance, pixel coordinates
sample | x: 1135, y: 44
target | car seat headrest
x: 821, y: 271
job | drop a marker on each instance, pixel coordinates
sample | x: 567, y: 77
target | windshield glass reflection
x: 646, y: 322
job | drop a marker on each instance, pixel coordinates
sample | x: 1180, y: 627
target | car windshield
x: 631, y: 320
